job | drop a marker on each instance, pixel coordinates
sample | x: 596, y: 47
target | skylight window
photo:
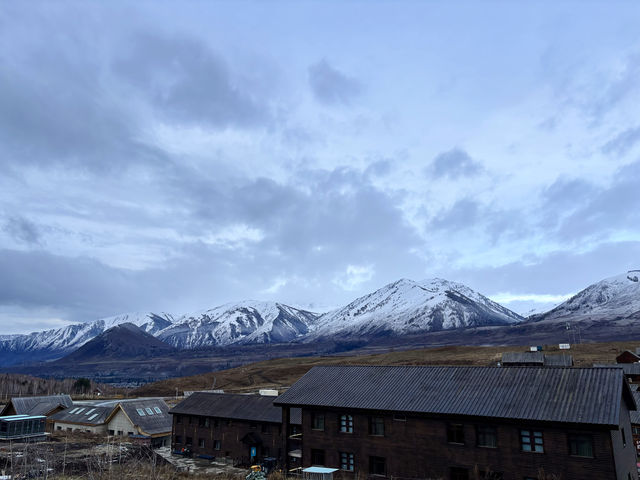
x: 74, y: 410
x: 157, y: 410
x: 93, y: 416
x: 140, y: 412
x: 149, y: 411
x: 89, y: 411
x: 79, y: 411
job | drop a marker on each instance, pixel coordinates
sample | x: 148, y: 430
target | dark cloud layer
x: 330, y: 86
x: 188, y: 82
x: 22, y: 230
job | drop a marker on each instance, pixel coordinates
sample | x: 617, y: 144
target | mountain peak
x: 612, y: 298
x: 406, y: 306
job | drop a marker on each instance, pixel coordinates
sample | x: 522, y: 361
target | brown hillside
x: 281, y: 373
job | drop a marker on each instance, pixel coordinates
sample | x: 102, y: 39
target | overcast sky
x: 175, y: 156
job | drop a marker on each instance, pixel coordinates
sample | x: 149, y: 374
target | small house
x: 82, y: 418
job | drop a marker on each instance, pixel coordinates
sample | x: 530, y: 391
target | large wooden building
x: 465, y: 422
x: 240, y: 429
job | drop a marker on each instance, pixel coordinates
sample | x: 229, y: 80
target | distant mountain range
x: 403, y: 308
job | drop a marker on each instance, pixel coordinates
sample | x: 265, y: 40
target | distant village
x: 532, y: 416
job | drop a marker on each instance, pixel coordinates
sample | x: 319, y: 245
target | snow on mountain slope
x: 56, y: 342
x: 612, y: 298
x: 244, y: 322
x: 406, y: 307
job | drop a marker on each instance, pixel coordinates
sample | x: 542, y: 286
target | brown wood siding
x: 230, y: 434
x: 418, y: 448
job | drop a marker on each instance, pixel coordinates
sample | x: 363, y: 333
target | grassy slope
x: 281, y: 373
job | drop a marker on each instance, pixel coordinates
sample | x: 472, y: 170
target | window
x: 120, y: 432
x: 346, y: 423
x: 178, y: 439
x: 141, y: 412
x: 206, y: 422
x: 376, y: 425
x: 624, y: 438
x: 581, y: 445
x: 149, y: 411
x: 58, y: 428
x: 317, y: 422
x: 216, y: 444
x: 87, y: 413
x: 399, y: 418
x: 377, y: 466
x: 317, y: 457
x: 189, y: 441
x: 157, y: 409
x: 346, y: 461
x: 111, y: 432
x: 129, y: 433
x: 93, y: 416
x: 458, y: 473
x: 531, y: 441
x: 486, y: 436
x: 178, y: 419
x: 201, y: 442
x: 455, y: 433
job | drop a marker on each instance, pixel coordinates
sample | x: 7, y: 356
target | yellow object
x: 255, y: 468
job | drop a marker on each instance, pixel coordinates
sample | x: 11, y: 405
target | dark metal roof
x: 255, y: 408
x: 627, y: 368
x: 523, y: 357
x: 570, y: 395
x: 558, y: 360
x: 152, y: 424
x: 39, y: 405
x: 83, y: 414
x: 536, y: 358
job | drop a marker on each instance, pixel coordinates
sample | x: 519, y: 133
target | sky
x: 175, y: 156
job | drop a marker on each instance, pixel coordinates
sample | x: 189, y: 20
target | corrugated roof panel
x: 572, y: 395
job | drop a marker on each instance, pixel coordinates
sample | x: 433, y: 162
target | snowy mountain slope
x: 612, y: 298
x: 54, y: 343
x: 244, y: 322
x: 406, y: 307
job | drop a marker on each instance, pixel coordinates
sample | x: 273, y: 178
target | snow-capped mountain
x: 612, y: 298
x: 55, y: 343
x: 406, y: 307
x: 245, y: 322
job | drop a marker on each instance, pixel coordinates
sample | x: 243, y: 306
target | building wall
x: 121, y: 425
x: 625, y: 458
x: 418, y: 448
x: 65, y: 426
x: 190, y: 430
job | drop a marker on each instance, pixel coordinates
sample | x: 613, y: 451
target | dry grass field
x: 281, y: 373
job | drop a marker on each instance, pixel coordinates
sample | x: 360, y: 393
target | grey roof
x: 627, y: 368
x: 523, y: 357
x: 83, y: 414
x: 536, y: 358
x: 569, y: 395
x: 153, y: 424
x: 39, y: 405
x: 558, y: 360
x: 256, y: 408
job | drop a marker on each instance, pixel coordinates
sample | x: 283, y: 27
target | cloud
x: 332, y: 87
x: 188, y: 82
x: 454, y: 164
x: 622, y: 143
x: 22, y: 230
x: 463, y: 214
x: 354, y: 276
